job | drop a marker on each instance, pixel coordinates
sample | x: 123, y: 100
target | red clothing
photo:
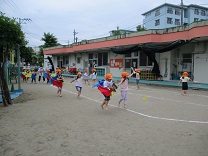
x: 105, y: 91
x: 57, y: 83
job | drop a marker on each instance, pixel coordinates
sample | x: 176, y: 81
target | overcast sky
x: 90, y: 18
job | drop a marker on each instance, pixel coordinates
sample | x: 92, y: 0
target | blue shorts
x: 78, y: 88
x: 137, y: 81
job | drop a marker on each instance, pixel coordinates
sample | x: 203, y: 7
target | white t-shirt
x: 79, y: 82
x: 94, y: 75
x: 185, y: 79
x: 107, y: 84
x: 137, y: 76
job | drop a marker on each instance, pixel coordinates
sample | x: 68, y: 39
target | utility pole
x: 75, y: 35
x: 181, y: 12
x: 21, y: 21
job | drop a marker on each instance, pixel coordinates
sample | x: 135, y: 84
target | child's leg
x: 60, y: 91
x: 103, y: 103
x: 39, y: 78
x: 125, y: 98
x: 79, y: 93
x: 106, y: 105
x: 121, y: 98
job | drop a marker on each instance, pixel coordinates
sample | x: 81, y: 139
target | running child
x: 124, y: 87
x: 108, y: 84
x: 94, y: 76
x: 78, y: 83
x: 184, y: 80
x: 137, y: 77
x: 60, y: 80
x: 86, y: 77
x: 33, y: 77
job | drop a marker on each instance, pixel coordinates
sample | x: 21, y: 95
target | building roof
x: 175, y: 6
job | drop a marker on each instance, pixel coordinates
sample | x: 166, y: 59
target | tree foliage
x: 10, y: 35
x: 116, y: 32
x: 26, y: 53
x: 140, y: 28
x: 50, y: 40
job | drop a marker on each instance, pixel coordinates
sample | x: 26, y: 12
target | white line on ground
x: 144, y: 115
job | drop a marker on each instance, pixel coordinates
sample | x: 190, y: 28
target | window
x: 169, y: 20
x: 90, y: 56
x: 131, y: 63
x: 78, y: 60
x: 196, y: 11
x: 177, y: 12
x: 170, y: 11
x: 144, y: 60
x: 135, y: 53
x: 157, y: 13
x: 66, y: 60
x: 187, y: 58
x: 131, y: 60
x: 177, y: 21
x: 102, y: 59
x: 196, y: 19
x: 128, y: 55
x: 203, y: 12
x: 147, y: 15
x: 127, y: 63
x: 157, y: 22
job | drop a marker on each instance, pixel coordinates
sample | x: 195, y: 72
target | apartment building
x: 170, y: 15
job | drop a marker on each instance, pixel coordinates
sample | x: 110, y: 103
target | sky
x: 90, y: 19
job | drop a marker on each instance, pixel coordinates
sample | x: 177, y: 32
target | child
x: 124, y: 87
x: 60, y: 79
x: 28, y: 74
x: 94, y: 76
x: 137, y: 77
x: 78, y: 84
x: 184, y: 80
x: 23, y: 75
x: 33, y: 77
x: 108, y: 83
x: 86, y: 77
x: 40, y: 73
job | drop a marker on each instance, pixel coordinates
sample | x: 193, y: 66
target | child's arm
x: 130, y: 75
x: 72, y: 80
x: 179, y: 81
x: 120, y: 82
x: 133, y: 70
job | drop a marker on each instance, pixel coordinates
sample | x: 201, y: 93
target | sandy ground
x: 159, y: 121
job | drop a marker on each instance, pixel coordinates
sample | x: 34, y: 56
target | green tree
x: 50, y: 40
x: 116, y: 32
x: 26, y: 53
x: 140, y: 28
x: 10, y: 35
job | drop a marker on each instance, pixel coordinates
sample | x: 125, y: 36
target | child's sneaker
x: 125, y: 107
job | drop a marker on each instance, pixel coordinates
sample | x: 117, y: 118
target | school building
x: 160, y: 54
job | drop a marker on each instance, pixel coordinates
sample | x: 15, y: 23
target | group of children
x: 108, y: 84
x: 27, y: 74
